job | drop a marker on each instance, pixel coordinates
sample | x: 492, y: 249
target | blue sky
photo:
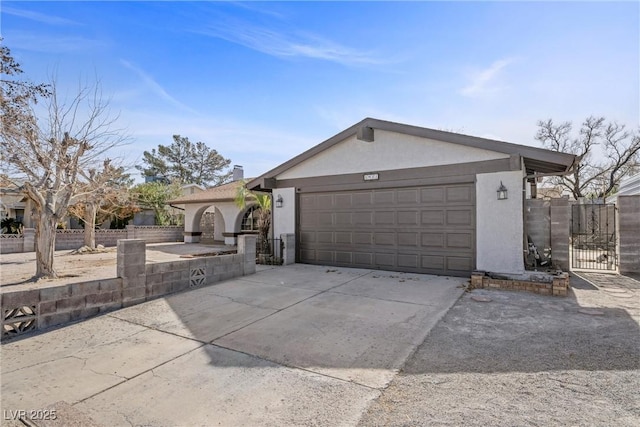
x: 261, y: 81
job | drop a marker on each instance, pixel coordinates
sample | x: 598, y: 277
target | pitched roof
x: 535, y: 159
x: 221, y: 193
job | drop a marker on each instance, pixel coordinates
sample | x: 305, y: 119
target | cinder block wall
x: 12, y: 243
x: 629, y: 233
x: 74, y: 239
x: 34, y: 309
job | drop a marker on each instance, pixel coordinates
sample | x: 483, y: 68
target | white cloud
x: 53, y: 43
x: 485, y: 81
x: 156, y: 87
x: 38, y: 17
x: 293, y: 44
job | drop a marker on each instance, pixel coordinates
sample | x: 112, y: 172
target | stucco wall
x: 388, y: 151
x: 284, y: 218
x: 499, y: 223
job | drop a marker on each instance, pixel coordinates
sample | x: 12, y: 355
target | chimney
x: 238, y: 173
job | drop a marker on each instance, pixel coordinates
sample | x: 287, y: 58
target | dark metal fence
x: 269, y: 251
x: 593, y: 237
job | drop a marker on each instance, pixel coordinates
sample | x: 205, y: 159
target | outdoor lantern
x: 279, y: 201
x: 502, y: 192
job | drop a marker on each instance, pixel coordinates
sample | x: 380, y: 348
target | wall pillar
x: 289, y: 252
x: 132, y: 270
x: 629, y: 232
x: 192, y: 236
x: 29, y: 240
x: 247, y: 247
x: 560, y: 229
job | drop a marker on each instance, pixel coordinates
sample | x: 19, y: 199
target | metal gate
x: 593, y: 237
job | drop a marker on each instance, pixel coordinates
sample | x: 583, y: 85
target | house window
x: 250, y: 219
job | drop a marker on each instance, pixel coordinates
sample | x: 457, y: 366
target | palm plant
x: 263, y: 202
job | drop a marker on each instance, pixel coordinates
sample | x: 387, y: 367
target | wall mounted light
x: 279, y: 201
x: 502, y: 192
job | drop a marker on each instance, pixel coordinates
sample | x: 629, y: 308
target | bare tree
x: 101, y: 193
x: 593, y: 177
x: 51, y: 151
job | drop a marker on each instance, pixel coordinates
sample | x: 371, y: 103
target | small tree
x: 186, y: 162
x: 156, y: 195
x: 263, y: 201
x: 50, y: 152
x: 102, y: 194
x: 592, y: 177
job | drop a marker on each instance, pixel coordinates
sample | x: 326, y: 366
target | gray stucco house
x: 397, y: 197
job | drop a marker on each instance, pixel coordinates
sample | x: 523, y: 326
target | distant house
x: 147, y: 216
x: 629, y: 186
x: 14, y: 203
x: 229, y: 220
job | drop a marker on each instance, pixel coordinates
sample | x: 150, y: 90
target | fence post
x: 247, y: 248
x: 560, y: 225
x: 629, y: 233
x: 289, y: 252
x: 29, y: 240
x: 131, y: 269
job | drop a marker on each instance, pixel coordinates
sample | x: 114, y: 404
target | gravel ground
x: 526, y: 360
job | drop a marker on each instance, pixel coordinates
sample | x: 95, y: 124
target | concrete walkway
x: 295, y: 345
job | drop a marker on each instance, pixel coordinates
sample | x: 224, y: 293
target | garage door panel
x: 433, y: 195
x: 459, y: 194
x: 460, y: 217
x: 343, y: 237
x: 383, y: 239
x: 343, y: 218
x: 308, y: 202
x: 460, y: 240
x: 361, y: 238
x: 432, y: 240
x: 309, y: 220
x: 408, y: 260
x: 325, y: 237
x: 324, y: 201
x: 325, y: 219
x: 363, y: 258
x: 406, y: 218
x: 362, y: 199
x: 363, y: 218
x: 385, y: 218
x: 307, y: 237
x: 432, y: 217
x: 344, y: 258
x: 309, y: 255
x: 385, y: 259
x: 324, y: 256
x: 421, y: 229
x: 432, y: 262
x: 408, y: 239
x: 459, y: 263
x: 343, y: 201
x: 384, y: 198
x: 410, y: 196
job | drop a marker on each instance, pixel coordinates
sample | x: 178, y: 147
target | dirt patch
x: 523, y: 359
x: 206, y: 254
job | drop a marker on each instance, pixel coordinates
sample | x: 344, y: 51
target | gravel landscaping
x: 524, y: 359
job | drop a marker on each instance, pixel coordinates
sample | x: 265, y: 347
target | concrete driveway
x: 287, y: 346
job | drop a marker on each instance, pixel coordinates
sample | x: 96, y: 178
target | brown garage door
x: 416, y: 229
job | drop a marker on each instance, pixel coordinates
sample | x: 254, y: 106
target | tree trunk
x: 90, y: 212
x: 45, y: 246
